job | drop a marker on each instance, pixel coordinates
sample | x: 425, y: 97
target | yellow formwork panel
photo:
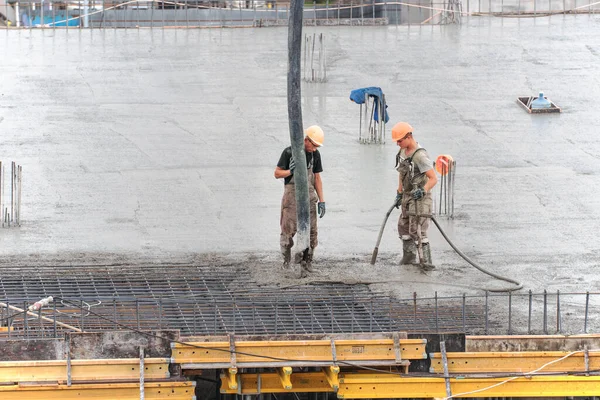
x: 479, y: 362
x: 112, y: 391
x: 380, y: 351
x: 83, y: 370
x: 270, y: 382
x: 378, y: 386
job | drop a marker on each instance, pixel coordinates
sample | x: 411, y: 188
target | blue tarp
x: 358, y: 96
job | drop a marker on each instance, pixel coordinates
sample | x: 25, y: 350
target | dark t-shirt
x: 286, y: 156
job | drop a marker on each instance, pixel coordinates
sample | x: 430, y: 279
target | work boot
x: 427, y: 264
x: 287, y: 256
x: 303, y: 270
x: 409, y: 252
x: 307, y: 266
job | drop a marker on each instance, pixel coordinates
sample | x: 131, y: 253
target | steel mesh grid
x: 200, y: 300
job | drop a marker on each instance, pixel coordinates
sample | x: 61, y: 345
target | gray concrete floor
x: 159, y: 145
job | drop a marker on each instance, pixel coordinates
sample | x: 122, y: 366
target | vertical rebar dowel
x: 530, y: 309
x: 39, y: 316
x: 81, y: 316
x: 352, y: 315
x: 233, y: 316
x: 389, y: 315
x: 276, y: 315
x: 332, y: 318
x: 114, y: 302
x: 415, y: 309
x: 437, y: 328
x: 509, y: 313
x: 20, y: 172
x: 12, y: 190
x: 2, y: 191
x: 312, y: 54
x: 545, y: 312
x: 464, y: 306
x: 54, y: 319
x: 441, y: 191
x: 371, y: 317
x: 68, y: 351
x: 294, y: 318
x: 194, y: 322
x: 486, y: 311
x: 142, y: 368
x: 452, y: 188
x: 585, y: 319
x: 160, y: 312
x: 9, y: 320
x: 558, y: 327
x: 137, y: 313
x: 215, y: 317
x: 254, y: 319
x: 25, y: 320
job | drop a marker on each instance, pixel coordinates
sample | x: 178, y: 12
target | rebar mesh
x: 203, y: 300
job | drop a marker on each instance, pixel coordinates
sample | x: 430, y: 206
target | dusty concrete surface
x: 159, y: 146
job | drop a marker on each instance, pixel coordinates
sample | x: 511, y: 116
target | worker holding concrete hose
x: 416, y: 179
x: 313, y: 139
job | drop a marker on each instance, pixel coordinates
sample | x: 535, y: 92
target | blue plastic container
x: 540, y: 102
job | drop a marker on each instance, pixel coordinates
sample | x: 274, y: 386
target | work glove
x: 321, y: 209
x: 418, y: 193
x: 398, y: 199
x: 292, y: 165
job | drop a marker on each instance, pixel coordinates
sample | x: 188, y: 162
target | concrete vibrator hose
x: 518, y: 286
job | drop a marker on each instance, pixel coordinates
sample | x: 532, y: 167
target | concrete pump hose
x: 467, y: 259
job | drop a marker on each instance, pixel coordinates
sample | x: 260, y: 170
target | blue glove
x: 418, y: 193
x: 398, y: 199
x: 292, y: 165
x: 321, y: 209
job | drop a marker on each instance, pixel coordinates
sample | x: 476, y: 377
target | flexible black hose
x: 474, y: 264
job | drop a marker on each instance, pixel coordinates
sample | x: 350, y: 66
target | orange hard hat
x: 400, y: 130
x: 315, y: 134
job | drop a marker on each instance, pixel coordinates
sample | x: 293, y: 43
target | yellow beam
x: 270, y: 382
x: 121, y: 391
x: 230, y: 378
x: 367, y: 385
x: 284, y: 376
x: 266, y: 353
x: 481, y: 362
x: 331, y: 373
x: 83, y: 370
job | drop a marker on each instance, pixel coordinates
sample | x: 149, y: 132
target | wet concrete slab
x: 161, y: 144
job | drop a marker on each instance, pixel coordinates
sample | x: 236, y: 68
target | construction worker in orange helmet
x: 313, y: 139
x: 415, y: 180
